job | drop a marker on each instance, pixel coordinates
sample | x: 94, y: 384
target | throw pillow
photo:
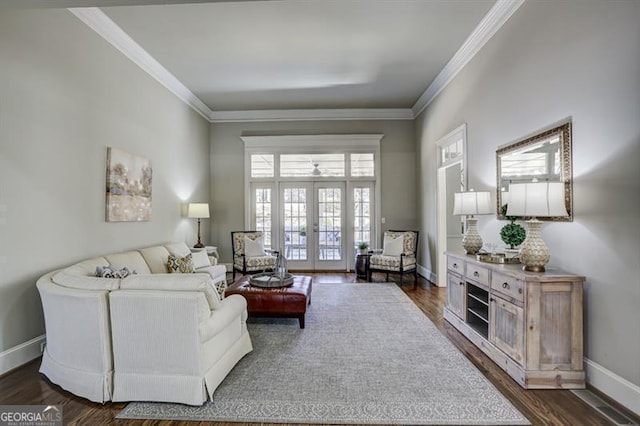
x: 253, y: 248
x: 110, y: 272
x: 180, y: 265
x: 392, y: 246
x: 200, y: 259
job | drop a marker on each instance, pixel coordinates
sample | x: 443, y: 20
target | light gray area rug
x: 368, y: 355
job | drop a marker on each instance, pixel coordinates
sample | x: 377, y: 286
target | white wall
x: 398, y: 170
x: 552, y: 60
x: 65, y: 95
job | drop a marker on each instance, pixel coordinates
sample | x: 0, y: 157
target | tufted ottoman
x: 290, y: 302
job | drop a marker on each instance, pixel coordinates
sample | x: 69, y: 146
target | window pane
x: 361, y: 218
x: 261, y: 165
x: 319, y: 165
x: 263, y: 214
x: 295, y: 224
x: 329, y: 226
x: 362, y: 164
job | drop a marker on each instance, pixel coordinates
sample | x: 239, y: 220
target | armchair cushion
x: 391, y: 263
x: 253, y: 247
x: 393, y: 245
x: 256, y: 263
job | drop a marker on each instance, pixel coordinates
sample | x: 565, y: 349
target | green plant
x: 363, y: 245
x: 512, y: 234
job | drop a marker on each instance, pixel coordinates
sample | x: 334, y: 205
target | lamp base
x: 534, y: 253
x: 533, y: 268
x: 471, y: 241
x: 199, y: 245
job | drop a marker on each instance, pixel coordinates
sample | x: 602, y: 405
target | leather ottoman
x: 289, y: 302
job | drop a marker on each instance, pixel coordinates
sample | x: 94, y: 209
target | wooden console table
x: 529, y: 323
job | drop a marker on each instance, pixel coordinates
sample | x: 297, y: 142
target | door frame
x: 311, y: 144
x: 442, y: 216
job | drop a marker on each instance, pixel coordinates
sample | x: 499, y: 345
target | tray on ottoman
x: 289, y: 302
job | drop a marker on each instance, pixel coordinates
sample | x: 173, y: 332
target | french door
x: 312, y: 218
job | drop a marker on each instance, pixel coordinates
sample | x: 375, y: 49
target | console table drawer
x: 478, y: 274
x: 455, y: 265
x: 508, y: 286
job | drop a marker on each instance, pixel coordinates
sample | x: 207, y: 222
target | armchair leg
x: 234, y: 274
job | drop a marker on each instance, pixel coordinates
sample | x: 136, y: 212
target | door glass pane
x: 329, y: 223
x: 361, y: 217
x: 295, y: 223
x: 261, y: 165
x: 316, y: 165
x: 263, y: 214
x: 362, y: 164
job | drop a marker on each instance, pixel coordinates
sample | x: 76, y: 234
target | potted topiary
x: 362, y: 247
x: 512, y: 234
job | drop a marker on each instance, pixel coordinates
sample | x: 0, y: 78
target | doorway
x: 451, y: 178
x: 312, y: 215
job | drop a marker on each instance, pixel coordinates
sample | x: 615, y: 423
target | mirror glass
x: 543, y: 157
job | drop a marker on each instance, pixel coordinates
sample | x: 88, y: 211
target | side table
x: 362, y: 265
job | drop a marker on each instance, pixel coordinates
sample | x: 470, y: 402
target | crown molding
x: 488, y: 26
x: 98, y: 21
x: 311, y: 115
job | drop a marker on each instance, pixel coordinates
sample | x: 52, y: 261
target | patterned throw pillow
x: 180, y: 265
x: 110, y: 272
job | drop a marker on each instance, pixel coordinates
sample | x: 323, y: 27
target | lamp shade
x: 472, y: 203
x: 537, y: 199
x: 198, y: 210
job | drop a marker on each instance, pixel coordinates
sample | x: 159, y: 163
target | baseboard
x: 615, y: 387
x: 426, y: 273
x: 21, y: 354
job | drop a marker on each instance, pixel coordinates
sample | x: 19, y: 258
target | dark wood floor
x: 542, y: 407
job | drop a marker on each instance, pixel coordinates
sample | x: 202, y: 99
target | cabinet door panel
x: 506, y: 329
x: 456, y: 295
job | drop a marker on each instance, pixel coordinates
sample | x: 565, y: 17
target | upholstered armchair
x: 398, y: 255
x: 249, y: 254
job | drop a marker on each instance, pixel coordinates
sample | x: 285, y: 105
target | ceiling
x: 274, y: 55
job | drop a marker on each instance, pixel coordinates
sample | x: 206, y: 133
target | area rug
x: 368, y: 355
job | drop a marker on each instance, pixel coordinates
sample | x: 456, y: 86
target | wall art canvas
x: 128, y: 187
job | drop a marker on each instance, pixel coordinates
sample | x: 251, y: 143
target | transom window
x: 362, y: 164
x: 305, y: 165
x: 262, y: 165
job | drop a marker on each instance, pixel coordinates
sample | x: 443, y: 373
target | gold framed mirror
x: 543, y: 157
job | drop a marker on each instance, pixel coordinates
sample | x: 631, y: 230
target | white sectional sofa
x: 152, y: 336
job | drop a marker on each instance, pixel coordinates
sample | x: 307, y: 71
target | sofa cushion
x: 131, y: 259
x: 156, y: 257
x: 200, y: 259
x: 111, y: 272
x: 168, y: 282
x: 180, y: 265
x: 178, y: 249
x: 82, y: 275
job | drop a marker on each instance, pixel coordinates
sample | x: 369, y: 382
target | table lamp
x: 471, y: 203
x: 198, y: 211
x: 536, y: 199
